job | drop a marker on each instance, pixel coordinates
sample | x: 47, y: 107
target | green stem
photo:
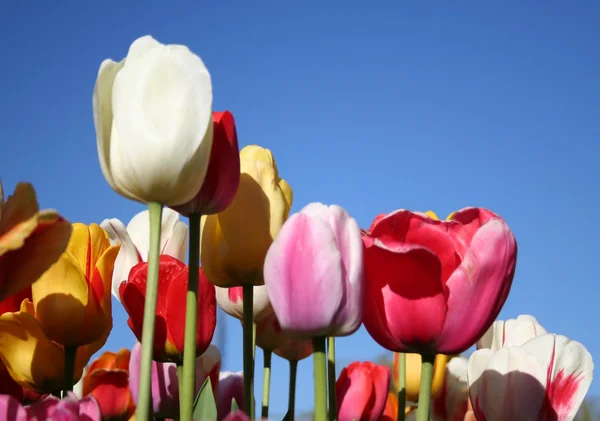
x: 248, y: 327
x: 320, y: 377
x: 266, y: 383
x: 331, y: 378
x: 191, y: 321
x: 145, y: 386
x: 425, y: 390
x: 70, y: 355
x: 401, y: 386
x: 292, y: 395
x: 180, y: 383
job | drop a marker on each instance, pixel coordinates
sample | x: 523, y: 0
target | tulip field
x: 217, y: 231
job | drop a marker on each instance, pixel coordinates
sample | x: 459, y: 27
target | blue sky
x: 418, y: 105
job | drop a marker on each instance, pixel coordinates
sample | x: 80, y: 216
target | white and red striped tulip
x: 512, y: 332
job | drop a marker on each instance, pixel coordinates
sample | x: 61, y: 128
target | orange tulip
x: 30, y: 240
x: 107, y: 380
x: 390, y: 412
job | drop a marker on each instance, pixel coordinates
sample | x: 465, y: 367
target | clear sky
x: 370, y: 105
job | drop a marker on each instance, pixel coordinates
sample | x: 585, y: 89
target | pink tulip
x: 362, y: 391
x: 314, y: 273
x: 270, y: 336
x: 545, y: 379
x: 165, y: 385
x: 231, y: 386
x: 50, y: 408
x: 503, y: 334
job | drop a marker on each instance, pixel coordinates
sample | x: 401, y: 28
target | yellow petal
x: 432, y: 215
x: 87, y: 245
x: 288, y: 194
x: 413, y: 374
x: 31, y: 358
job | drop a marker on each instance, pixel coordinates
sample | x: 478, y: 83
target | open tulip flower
x: 314, y: 273
x: 223, y: 175
x: 30, y: 240
x: 170, y: 309
x: 107, y: 380
x: 235, y: 241
x: 165, y: 383
x: 135, y: 242
x: 413, y: 374
x: 545, y: 379
x: 154, y: 150
x: 362, y: 391
x: 50, y: 408
x: 231, y: 300
x: 436, y: 286
x: 503, y: 334
x: 69, y: 307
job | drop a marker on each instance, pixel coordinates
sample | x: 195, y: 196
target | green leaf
x: 234, y: 405
x: 205, y: 407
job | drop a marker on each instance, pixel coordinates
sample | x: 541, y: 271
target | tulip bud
x: 223, y: 175
x: 362, y: 391
x: 235, y: 241
x: 153, y: 119
x: 452, y: 402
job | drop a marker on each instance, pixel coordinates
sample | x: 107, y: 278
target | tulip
x: 153, y: 120
x: 390, y: 412
x: 314, y: 273
x: 9, y: 387
x: 107, y: 380
x: 231, y: 300
x: 362, y: 390
x: 72, y: 299
x: 236, y: 240
x: 451, y: 403
x: 51, y: 408
x: 165, y: 384
x: 231, y: 386
x: 436, y: 286
x: 546, y: 378
x: 223, y: 174
x: 30, y: 240
x: 413, y: 374
x: 135, y: 240
x: 513, y: 332
x: 270, y: 336
x: 170, y: 310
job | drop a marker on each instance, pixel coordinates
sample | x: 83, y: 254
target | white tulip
x: 503, y: 334
x: 135, y: 242
x: 231, y: 300
x: 153, y: 119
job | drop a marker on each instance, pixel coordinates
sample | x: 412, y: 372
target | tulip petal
x: 479, y: 286
x: 11, y: 409
x: 354, y: 392
x: 303, y: 275
x: 569, y: 373
x: 512, y: 332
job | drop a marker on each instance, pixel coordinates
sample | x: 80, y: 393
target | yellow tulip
x: 413, y: 374
x: 31, y: 358
x: 235, y: 242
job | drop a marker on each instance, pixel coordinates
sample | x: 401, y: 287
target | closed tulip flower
x: 436, y: 286
x: 153, y: 119
x: 503, y: 334
x: 231, y: 301
x: 413, y: 374
x: 107, y: 380
x: 135, y: 242
x: 269, y: 336
x: 544, y: 379
x: 362, y: 391
x: 235, y: 241
x: 30, y: 240
x: 314, y: 273
x: 170, y: 308
x: 223, y: 175
x: 50, y: 408
x: 165, y: 383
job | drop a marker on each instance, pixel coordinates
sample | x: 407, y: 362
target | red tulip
x: 223, y: 174
x: 436, y: 286
x: 362, y: 391
x: 170, y: 308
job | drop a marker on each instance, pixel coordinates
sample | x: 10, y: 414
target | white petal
x: 141, y: 46
x: 261, y: 307
x: 128, y: 253
x: 512, y: 332
x: 487, y: 340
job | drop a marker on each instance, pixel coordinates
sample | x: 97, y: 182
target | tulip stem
x: 70, y: 355
x: 145, y: 385
x: 266, y: 383
x: 331, y: 378
x: 180, y: 384
x: 320, y: 376
x: 425, y: 389
x: 292, y: 395
x: 401, y: 386
x: 248, y: 327
x: 191, y: 322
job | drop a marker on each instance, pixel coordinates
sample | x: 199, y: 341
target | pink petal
x: 303, y: 276
x: 11, y: 409
x: 89, y: 410
x: 354, y: 391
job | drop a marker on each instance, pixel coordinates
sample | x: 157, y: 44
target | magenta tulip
x: 231, y: 387
x: 50, y: 408
x: 314, y: 273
